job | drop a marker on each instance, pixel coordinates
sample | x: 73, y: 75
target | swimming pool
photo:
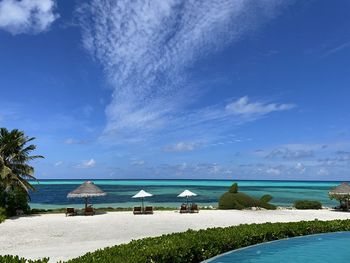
x: 321, y: 248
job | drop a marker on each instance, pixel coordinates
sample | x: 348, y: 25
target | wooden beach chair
x: 89, y: 211
x: 70, y: 211
x: 183, y: 209
x: 149, y: 210
x: 137, y: 210
x: 194, y: 208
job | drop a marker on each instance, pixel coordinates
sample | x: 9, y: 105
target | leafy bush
x: 307, y: 204
x: 16, y: 259
x: 17, y: 200
x: 196, y: 246
x: 266, y: 198
x: 234, y: 188
x: 235, y: 200
x: 2, y: 214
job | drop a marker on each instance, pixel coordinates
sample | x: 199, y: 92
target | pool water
x: 321, y: 248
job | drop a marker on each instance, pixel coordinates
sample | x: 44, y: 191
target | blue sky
x: 179, y: 89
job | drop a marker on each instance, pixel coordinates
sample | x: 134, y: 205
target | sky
x: 175, y: 89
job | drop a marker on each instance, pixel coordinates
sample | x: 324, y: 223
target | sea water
x: 53, y: 193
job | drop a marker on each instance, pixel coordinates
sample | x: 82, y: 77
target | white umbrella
x: 142, y: 194
x: 186, y: 194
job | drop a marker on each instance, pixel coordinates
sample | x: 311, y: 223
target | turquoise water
x: 52, y: 193
x: 323, y: 248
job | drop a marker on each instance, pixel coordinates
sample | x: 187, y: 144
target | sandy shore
x: 61, y: 238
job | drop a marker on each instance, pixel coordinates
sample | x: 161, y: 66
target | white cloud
x: 300, y: 168
x: 288, y: 154
x: 86, y: 164
x: 273, y: 171
x: 27, y: 16
x: 243, y: 106
x: 145, y: 47
x: 58, y: 163
x: 323, y: 171
x: 336, y: 49
x: 74, y: 141
x: 182, y: 147
x: 138, y: 162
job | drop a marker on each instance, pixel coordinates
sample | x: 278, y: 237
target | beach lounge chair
x: 183, y: 209
x: 89, y: 211
x: 137, y: 210
x: 19, y: 212
x: 70, y: 211
x: 149, y: 210
x: 194, y: 208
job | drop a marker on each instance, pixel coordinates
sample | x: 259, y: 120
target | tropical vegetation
x: 236, y: 200
x: 307, y: 204
x: 17, y: 259
x: 15, y: 170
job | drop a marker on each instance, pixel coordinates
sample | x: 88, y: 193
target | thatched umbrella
x: 86, y: 190
x: 341, y: 193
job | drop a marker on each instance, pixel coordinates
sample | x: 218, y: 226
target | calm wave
x: 53, y: 193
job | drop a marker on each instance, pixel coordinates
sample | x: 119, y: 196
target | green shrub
x: 266, y: 198
x: 196, y: 246
x: 307, y: 204
x: 2, y: 214
x: 234, y: 188
x: 235, y: 200
x: 17, y: 200
x: 16, y: 259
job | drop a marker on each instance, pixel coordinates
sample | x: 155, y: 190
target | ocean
x: 53, y: 193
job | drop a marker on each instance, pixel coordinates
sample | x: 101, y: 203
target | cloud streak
x: 145, y: 48
x: 182, y: 147
x: 86, y: 164
x: 27, y: 16
x: 247, y: 108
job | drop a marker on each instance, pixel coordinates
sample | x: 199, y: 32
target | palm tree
x: 14, y: 158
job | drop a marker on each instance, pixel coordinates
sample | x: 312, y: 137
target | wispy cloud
x: 336, y: 49
x: 138, y: 163
x: 59, y: 163
x: 288, y: 154
x: 181, y: 147
x: 245, y: 107
x: 27, y: 16
x: 146, y: 46
x: 71, y: 141
x: 86, y: 164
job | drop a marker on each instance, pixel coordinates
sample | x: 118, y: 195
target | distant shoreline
x: 173, y: 179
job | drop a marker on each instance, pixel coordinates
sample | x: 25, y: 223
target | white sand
x: 61, y: 238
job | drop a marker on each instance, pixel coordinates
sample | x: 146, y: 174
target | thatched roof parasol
x: 342, y: 189
x: 87, y: 189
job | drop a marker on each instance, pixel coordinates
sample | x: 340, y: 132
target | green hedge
x: 307, y: 204
x: 2, y: 214
x: 236, y: 200
x: 16, y: 259
x: 196, y: 246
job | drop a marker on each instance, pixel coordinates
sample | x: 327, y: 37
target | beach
x: 62, y: 238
